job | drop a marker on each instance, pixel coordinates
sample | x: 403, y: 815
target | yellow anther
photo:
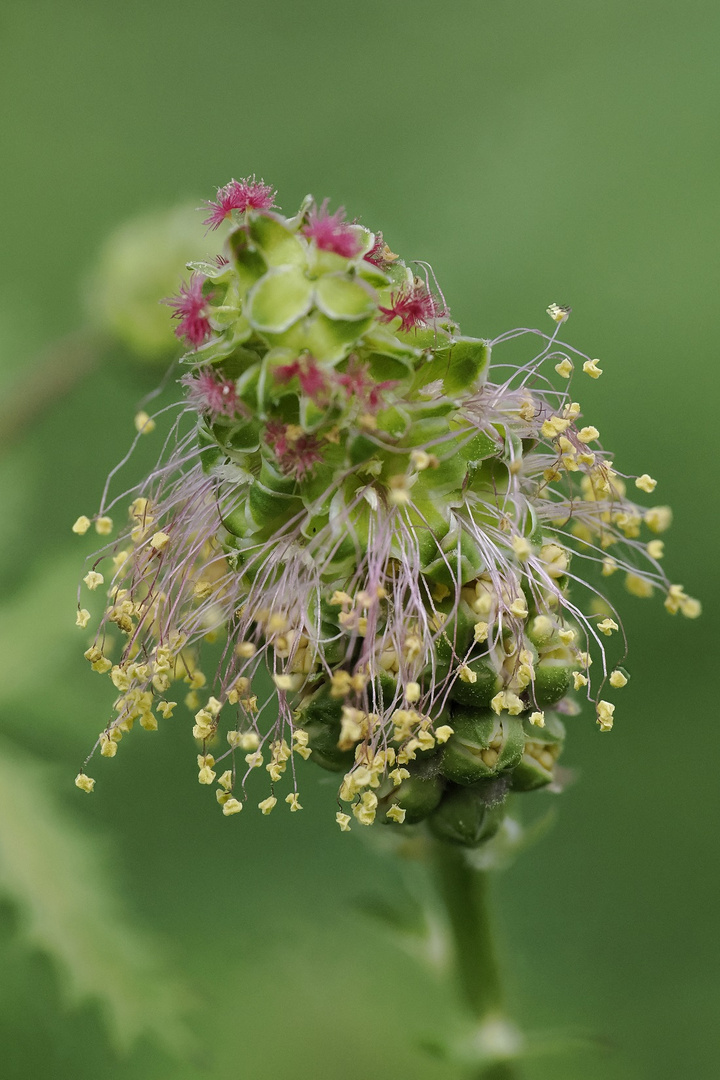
x: 559, y: 312
x: 82, y: 618
x: 108, y: 746
x: 566, y: 636
x: 590, y: 367
x: 572, y: 410
x: 564, y: 368
x: 206, y: 775
x: 245, y: 649
x: 293, y: 801
x: 255, y: 759
x: 588, y: 434
x: 554, y: 427
x: 144, y: 423
x: 159, y: 540
x: 339, y: 598
x: 607, y: 626
x: 396, y: 813
x: 656, y: 549
x: 617, y: 680
x: 103, y: 526
x: 638, y: 586
x: 691, y: 608
x: 507, y: 701
x: 584, y: 659
x: 538, y: 719
x: 527, y: 410
x: 579, y: 680
x: 519, y: 608
x: 398, y: 775
x: 365, y: 809
x: 421, y: 460
x: 148, y: 721
x: 165, y: 708
x: 658, y: 518
x: 480, y: 632
x: 522, y: 547
x: 80, y: 527
x: 609, y: 566
x: 84, y: 782
x: 231, y: 806
x: 646, y: 483
x: 343, y: 821
x: 443, y: 733
x: 92, y: 579
x: 605, y: 710
x: 466, y: 674
x: 288, y: 682
x: 412, y: 692
x: 267, y: 805
x: 226, y: 780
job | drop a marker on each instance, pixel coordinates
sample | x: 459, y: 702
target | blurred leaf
x: 54, y: 871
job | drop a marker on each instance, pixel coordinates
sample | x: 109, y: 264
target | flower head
x: 241, y: 195
x: 411, y: 541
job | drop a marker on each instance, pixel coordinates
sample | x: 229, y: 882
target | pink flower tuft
x: 297, y: 454
x: 357, y: 382
x: 208, y: 392
x: 330, y: 231
x: 189, y: 307
x: 414, y: 305
x: 313, y: 380
x: 249, y: 194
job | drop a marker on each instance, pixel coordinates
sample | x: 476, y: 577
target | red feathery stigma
x: 313, y: 380
x: 414, y: 305
x: 249, y: 194
x: 297, y: 454
x: 210, y: 393
x: 357, y: 382
x: 330, y: 231
x: 189, y: 307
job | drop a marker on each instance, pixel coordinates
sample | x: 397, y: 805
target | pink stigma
x: 414, y: 305
x: 210, y: 393
x: 296, y: 455
x: 330, y: 232
x: 312, y: 379
x: 249, y: 194
x: 189, y: 307
x: 358, y: 383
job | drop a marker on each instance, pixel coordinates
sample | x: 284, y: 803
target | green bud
x: 480, y: 693
x: 463, y: 817
x: 552, y: 681
x: 542, y: 749
x: 483, y: 745
x: 418, y: 797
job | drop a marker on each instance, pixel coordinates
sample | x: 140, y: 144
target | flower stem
x: 465, y: 892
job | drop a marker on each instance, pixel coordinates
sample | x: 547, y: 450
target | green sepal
x: 418, y: 796
x: 552, y: 681
x: 331, y: 340
x: 463, y: 817
x: 459, y: 365
x: 475, y: 729
x: 341, y: 297
x: 279, y: 299
x: 249, y: 264
x: 480, y: 693
x: 279, y: 245
x: 530, y: 774
x: 462, y: 560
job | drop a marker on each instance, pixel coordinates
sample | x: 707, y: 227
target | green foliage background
x: 564, y: 151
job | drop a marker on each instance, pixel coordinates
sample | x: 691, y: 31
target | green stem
x: 465, y: 892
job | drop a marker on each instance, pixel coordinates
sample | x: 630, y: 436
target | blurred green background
x: 563, y: 151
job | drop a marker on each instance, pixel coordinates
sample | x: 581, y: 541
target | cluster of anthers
x: 348, y: 505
